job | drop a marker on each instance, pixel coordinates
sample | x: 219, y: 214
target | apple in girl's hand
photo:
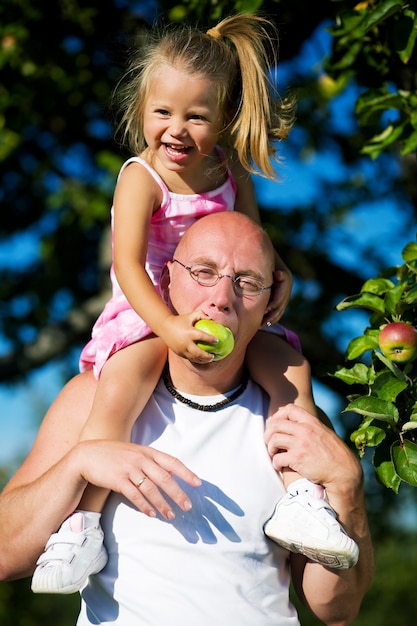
x: 398, y: 342
x: 225, y: 343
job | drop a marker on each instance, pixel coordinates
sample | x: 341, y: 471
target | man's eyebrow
x: 201, y: 260
x: 213, y: 264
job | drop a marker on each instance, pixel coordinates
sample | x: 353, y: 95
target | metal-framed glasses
x: 207, y: 276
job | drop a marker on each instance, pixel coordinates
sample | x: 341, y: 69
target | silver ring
x: 140, y: 483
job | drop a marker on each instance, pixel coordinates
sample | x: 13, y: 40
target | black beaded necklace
x: 201, y: 407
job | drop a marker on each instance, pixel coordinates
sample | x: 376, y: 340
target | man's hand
x: 300, y: 441
x: 121, y: 467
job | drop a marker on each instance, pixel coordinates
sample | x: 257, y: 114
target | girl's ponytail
x: 261, y: 116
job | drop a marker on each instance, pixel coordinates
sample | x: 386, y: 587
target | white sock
x: 84, y: 519
x: 303, y: 485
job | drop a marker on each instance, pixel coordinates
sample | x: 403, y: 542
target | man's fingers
x: 157, y: 480
x: 175, y: 467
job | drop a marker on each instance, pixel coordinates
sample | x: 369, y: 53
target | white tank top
x: 212, y: 566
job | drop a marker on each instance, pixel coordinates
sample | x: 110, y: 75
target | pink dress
x: 119, y: 325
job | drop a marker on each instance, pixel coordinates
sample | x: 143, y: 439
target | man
x: 184, y: 524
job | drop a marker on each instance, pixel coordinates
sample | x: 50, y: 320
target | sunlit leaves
x: 376, y: 43
x: 387, y: 398
x: 404, y: 457
x: 384, y: 467
x: 368, y: 406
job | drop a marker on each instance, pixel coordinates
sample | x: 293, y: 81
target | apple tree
x: 386, y: 399
x: 376, y: 42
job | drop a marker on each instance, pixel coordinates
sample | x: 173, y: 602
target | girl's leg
x: 284, y: 374
x: 126, y: 383
x: 76, y: 551
x: 302, y: 520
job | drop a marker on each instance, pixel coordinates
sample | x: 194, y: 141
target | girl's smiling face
x: 182, y: 120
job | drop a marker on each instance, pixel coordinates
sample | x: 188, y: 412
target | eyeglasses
x: 207, y: 276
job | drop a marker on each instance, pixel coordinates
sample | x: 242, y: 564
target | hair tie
x: 213, y: 32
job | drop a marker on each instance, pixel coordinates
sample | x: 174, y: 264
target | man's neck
x: 204, y: 380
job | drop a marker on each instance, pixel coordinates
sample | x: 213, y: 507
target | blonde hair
x: 237, y: 55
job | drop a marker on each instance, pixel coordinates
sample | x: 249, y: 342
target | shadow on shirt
x: 197, y: 524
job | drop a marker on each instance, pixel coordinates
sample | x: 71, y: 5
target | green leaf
x: 377, y: 286
x: 381, y: 12
x: 391, y: 366
x: 392, y: 299
x: 384, y: 468
x: 372, y: 102
x: 355, y: 24
x: 404, y: 457
x: 410, y: 300
x: 358, y: 374
x: 409, y: 426
x: 407, y: 271
x: 375, y: 408
x: 405, y: 34
x: 410, y: 252
x: 387, y: 386
x: 380, y: 142
x: 359, y: 345
x: 371, y: 436
x: 365, y: 301
x: 410, y: 144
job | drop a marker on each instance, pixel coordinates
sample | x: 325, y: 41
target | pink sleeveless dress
x: 119, y: 325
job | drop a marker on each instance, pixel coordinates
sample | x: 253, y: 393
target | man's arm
x: 298, y: 440
x: 335, y: 596
x: 49, y: 484
x: 43, y: 492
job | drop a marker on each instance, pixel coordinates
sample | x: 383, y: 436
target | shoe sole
x: 96, y: 567
x: 335, y: 559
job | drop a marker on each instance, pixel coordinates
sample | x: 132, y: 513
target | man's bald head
x: 229, y: 230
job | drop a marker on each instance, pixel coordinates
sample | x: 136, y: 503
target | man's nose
x: 223, y: 293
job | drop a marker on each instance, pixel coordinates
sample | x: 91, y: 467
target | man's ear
x: 164, y: 283
x: 266, y: 320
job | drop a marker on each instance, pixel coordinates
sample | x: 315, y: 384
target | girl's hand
x: 280, y: 296
x: 143, y: 475
x: 180, y: 335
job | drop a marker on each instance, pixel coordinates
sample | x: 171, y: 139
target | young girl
x: 187, y: 93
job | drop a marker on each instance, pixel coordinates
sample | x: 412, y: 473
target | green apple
x: 225, y: 343
x: 398, y: 342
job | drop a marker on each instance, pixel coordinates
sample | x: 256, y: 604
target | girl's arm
x: 283, y: 372
x: 136, y: 198
x: 246, y: 203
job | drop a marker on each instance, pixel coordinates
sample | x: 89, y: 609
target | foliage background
x: 59, y: 62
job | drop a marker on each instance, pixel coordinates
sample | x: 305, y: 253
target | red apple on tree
x: 398, y: 342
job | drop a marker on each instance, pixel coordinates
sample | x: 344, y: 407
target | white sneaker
x: 70, y: 557
x: 307, y: 525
